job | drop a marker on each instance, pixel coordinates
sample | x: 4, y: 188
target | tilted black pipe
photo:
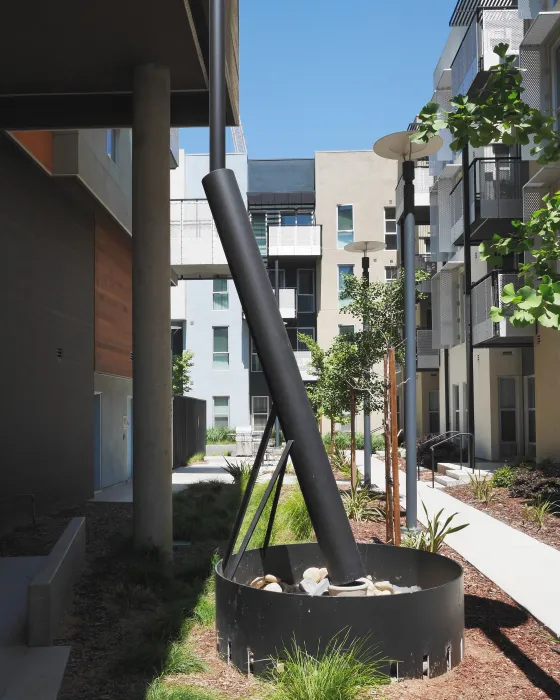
x: 309, y: 456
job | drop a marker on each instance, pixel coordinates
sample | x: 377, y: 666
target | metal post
x: 277, y: 291
x: 367, y: 415
x: 410, y: 345
x: 469, y: 428
x: 218, y: 85
x: 446, y: 387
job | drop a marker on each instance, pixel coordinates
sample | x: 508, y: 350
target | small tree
x: 181, y: 379
x: 498, y: 113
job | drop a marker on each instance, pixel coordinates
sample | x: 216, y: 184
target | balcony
x: 427, y: 357
x: 287, y: 302
x: 424, y: 262
x: 485, y: 333
x: 303, y: 359
x: 423, y: 182
x: 496, y: 193
x: 196, y: 250
x: 300, y: 241
x: 488, y: 28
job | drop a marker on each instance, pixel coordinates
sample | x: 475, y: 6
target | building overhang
x: 547, y: 176
x: 75, y: 66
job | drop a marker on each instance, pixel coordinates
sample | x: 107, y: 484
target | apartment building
x: 303, y: 212
x: 514, y: 376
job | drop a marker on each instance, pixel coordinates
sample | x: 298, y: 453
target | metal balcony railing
x: 194, y: 238
x: 496, y: 192
x: 427, y: 357
x: 487, y: 293
x: 287, y: 302
x: 424, y: 262
x: 294, y: 240
x: 487, y: 29
x: 303, y: 359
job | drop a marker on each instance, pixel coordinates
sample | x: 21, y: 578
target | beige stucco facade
x: 367, y: 182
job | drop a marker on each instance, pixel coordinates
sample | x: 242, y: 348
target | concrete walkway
x: 526, y: 569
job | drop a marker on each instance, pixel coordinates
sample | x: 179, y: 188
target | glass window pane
x: 288, y: 219
x: 507, y: 392
x: 532, y: 425
x: 344, y: 270
x: 259, y: 422
x: 292, y: 335
x: 220, y: 360
x: 433, y: 401
x: 221, y: 422
x: 390, y: 213
x: 531, y: 392
x: 344, y: 238
x: 220, y: 285
x: 221, y: 401
x: 306, y: 304
x: 391, y: 241
x: 345, y: 217
x: 390, y: 226
x: 221, y: 340
x: 305, y: 219
x: 433, y: 419
x: 343, y: 330
x: 221, y: 302
x: 508, y: 426
x: 305, y: 281
x: 260, y: 404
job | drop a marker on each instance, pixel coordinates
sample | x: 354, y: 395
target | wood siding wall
x: 39, y: 144
x: 113, y: 299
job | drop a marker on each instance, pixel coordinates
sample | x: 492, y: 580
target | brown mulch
x: 508, y: 654
x: 510, y: 511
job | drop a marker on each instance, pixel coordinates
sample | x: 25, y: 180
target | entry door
x: 129, y: 437
x: 508, y: 418
x: 96, y: 442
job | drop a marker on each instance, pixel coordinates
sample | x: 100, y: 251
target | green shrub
x: 534, y: 484
x: 294, y: 512
x: 342, y: 440
x: 220, y: 436
x: 342, y: 672
x: 340, y: 462
x: 539, y: 511
x: 432, y: 539
x: 482, y: 487
x: 360, y: 505
x: 504, y: 477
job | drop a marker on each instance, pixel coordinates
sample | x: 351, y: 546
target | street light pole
x: 399, y: 147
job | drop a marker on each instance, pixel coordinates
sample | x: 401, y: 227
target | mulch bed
x: 510, y: 511
x: 508, y: 654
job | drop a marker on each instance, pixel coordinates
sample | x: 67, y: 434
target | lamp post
x: 365, y: 247
x: 398, y: 146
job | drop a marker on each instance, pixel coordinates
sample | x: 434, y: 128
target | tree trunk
x: 354, y: 471
x: 332, y: 437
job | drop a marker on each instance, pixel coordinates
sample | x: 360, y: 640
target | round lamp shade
x: 398, y: 146
x: 365, y: 247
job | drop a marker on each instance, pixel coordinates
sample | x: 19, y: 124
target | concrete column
x: 151, y: 310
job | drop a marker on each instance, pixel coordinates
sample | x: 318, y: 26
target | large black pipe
x: 258, y: 300
x: 217, y: 85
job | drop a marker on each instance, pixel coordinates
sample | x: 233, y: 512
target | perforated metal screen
x: 531, y: 64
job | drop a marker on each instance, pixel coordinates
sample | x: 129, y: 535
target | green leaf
x: 521, y: 318
x: 509, y: 295
x: 496, y: 314
x: 531, y: 299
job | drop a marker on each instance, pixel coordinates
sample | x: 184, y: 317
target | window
x: 507, y: 406
x: 220, y: 295
x: 221, y: 348
x: 306, y: 291
x: 221, y: 411
x: 259, y: 412
x: 456, y: 409
x: 113, y: 144
x: 293, y: 335
x: 296, y: 219
x: 259, y: 223
x: 391, y: 274
x: 390, y: 228
x: 281, y: 278
x: 345, y: 330
x: 433, y: 411
x: 343, y: 270
x: 345, y: 225
x: 255, y: 362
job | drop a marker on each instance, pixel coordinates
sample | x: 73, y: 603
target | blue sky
x: 331, y: 74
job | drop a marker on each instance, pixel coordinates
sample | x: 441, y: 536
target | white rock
x: 270, y: 578
x: 323, y: 573
x: 312, y: 573
x: 384, y: 586
x: 370, y: 592
x: 385, y: 592
x: 274, y: 587
x: 258, y: 582
x: 369, y: 577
